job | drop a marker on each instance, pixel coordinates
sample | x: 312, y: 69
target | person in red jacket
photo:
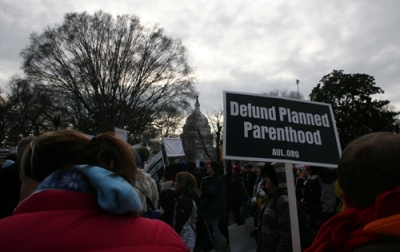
x: 77, y: 195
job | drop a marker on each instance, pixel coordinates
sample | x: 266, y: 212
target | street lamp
x: 57, y: 119
x: 397, y: 122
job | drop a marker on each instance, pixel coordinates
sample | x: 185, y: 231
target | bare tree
x: 29, y: 110
x: 3, y: 113
x: 110, y: 72
x: 215, y: 119
x: 168, y: 124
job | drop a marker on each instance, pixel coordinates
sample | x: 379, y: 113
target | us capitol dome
x: 196, y: 136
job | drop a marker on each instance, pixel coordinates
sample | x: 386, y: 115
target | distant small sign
x: 121, y: 134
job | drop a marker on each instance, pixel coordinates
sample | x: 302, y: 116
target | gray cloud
x: 251, y: 47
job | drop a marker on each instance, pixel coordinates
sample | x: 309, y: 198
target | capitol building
x: 196, y: 136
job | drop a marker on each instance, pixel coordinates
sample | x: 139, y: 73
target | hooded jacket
x: 56, y: 220
x: 86, y: 209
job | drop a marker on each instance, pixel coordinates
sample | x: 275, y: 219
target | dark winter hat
x: 171, y: 170
x: 280, y: 174
x: 191, y: 166
x: 184, y: 165
x: 269, y: 171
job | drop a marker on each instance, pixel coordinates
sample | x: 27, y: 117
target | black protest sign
x: 274, y: 129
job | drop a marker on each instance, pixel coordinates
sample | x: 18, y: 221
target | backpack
x: 204, y: 232
x: 151, y: 212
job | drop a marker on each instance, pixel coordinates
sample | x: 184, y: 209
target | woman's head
x: 259, y: 168
x: 185, y: 183
x: 59, y: 150
x: 369, y: 166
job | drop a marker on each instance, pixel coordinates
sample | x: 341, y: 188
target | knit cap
x: 171, y: 170
x: 269, y: 171
x: 276, y: 173
x: 237, y: 169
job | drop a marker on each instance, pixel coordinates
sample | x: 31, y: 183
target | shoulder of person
x: 198, y: 200
x: 385, y: 243
x: 168, y: 193
x: 143, y: 180
x: 185, y: 197
x: 206, y: 178
x: 184, y: 200
x: 281, y: 197
x: 212, y: 179
x: 218, y: 178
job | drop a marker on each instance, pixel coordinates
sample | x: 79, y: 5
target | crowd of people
x: 64, y: 191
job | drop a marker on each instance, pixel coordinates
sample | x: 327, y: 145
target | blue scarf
x: 114, y: 194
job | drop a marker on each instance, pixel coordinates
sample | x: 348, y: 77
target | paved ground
x: 240, y: 239
x: 224, y: 247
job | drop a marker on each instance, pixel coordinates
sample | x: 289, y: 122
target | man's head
x: 212, y: 167
x: 369, y: 166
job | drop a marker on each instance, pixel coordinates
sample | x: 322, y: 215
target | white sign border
x: 271, y: 159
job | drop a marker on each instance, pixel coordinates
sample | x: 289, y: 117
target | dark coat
x: 237, y: 190
x: 214, y: 196
x: 274, y: 224
x: 167, y: 201
x: 10, y: 185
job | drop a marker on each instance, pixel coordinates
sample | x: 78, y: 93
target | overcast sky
x: 243, y: 46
